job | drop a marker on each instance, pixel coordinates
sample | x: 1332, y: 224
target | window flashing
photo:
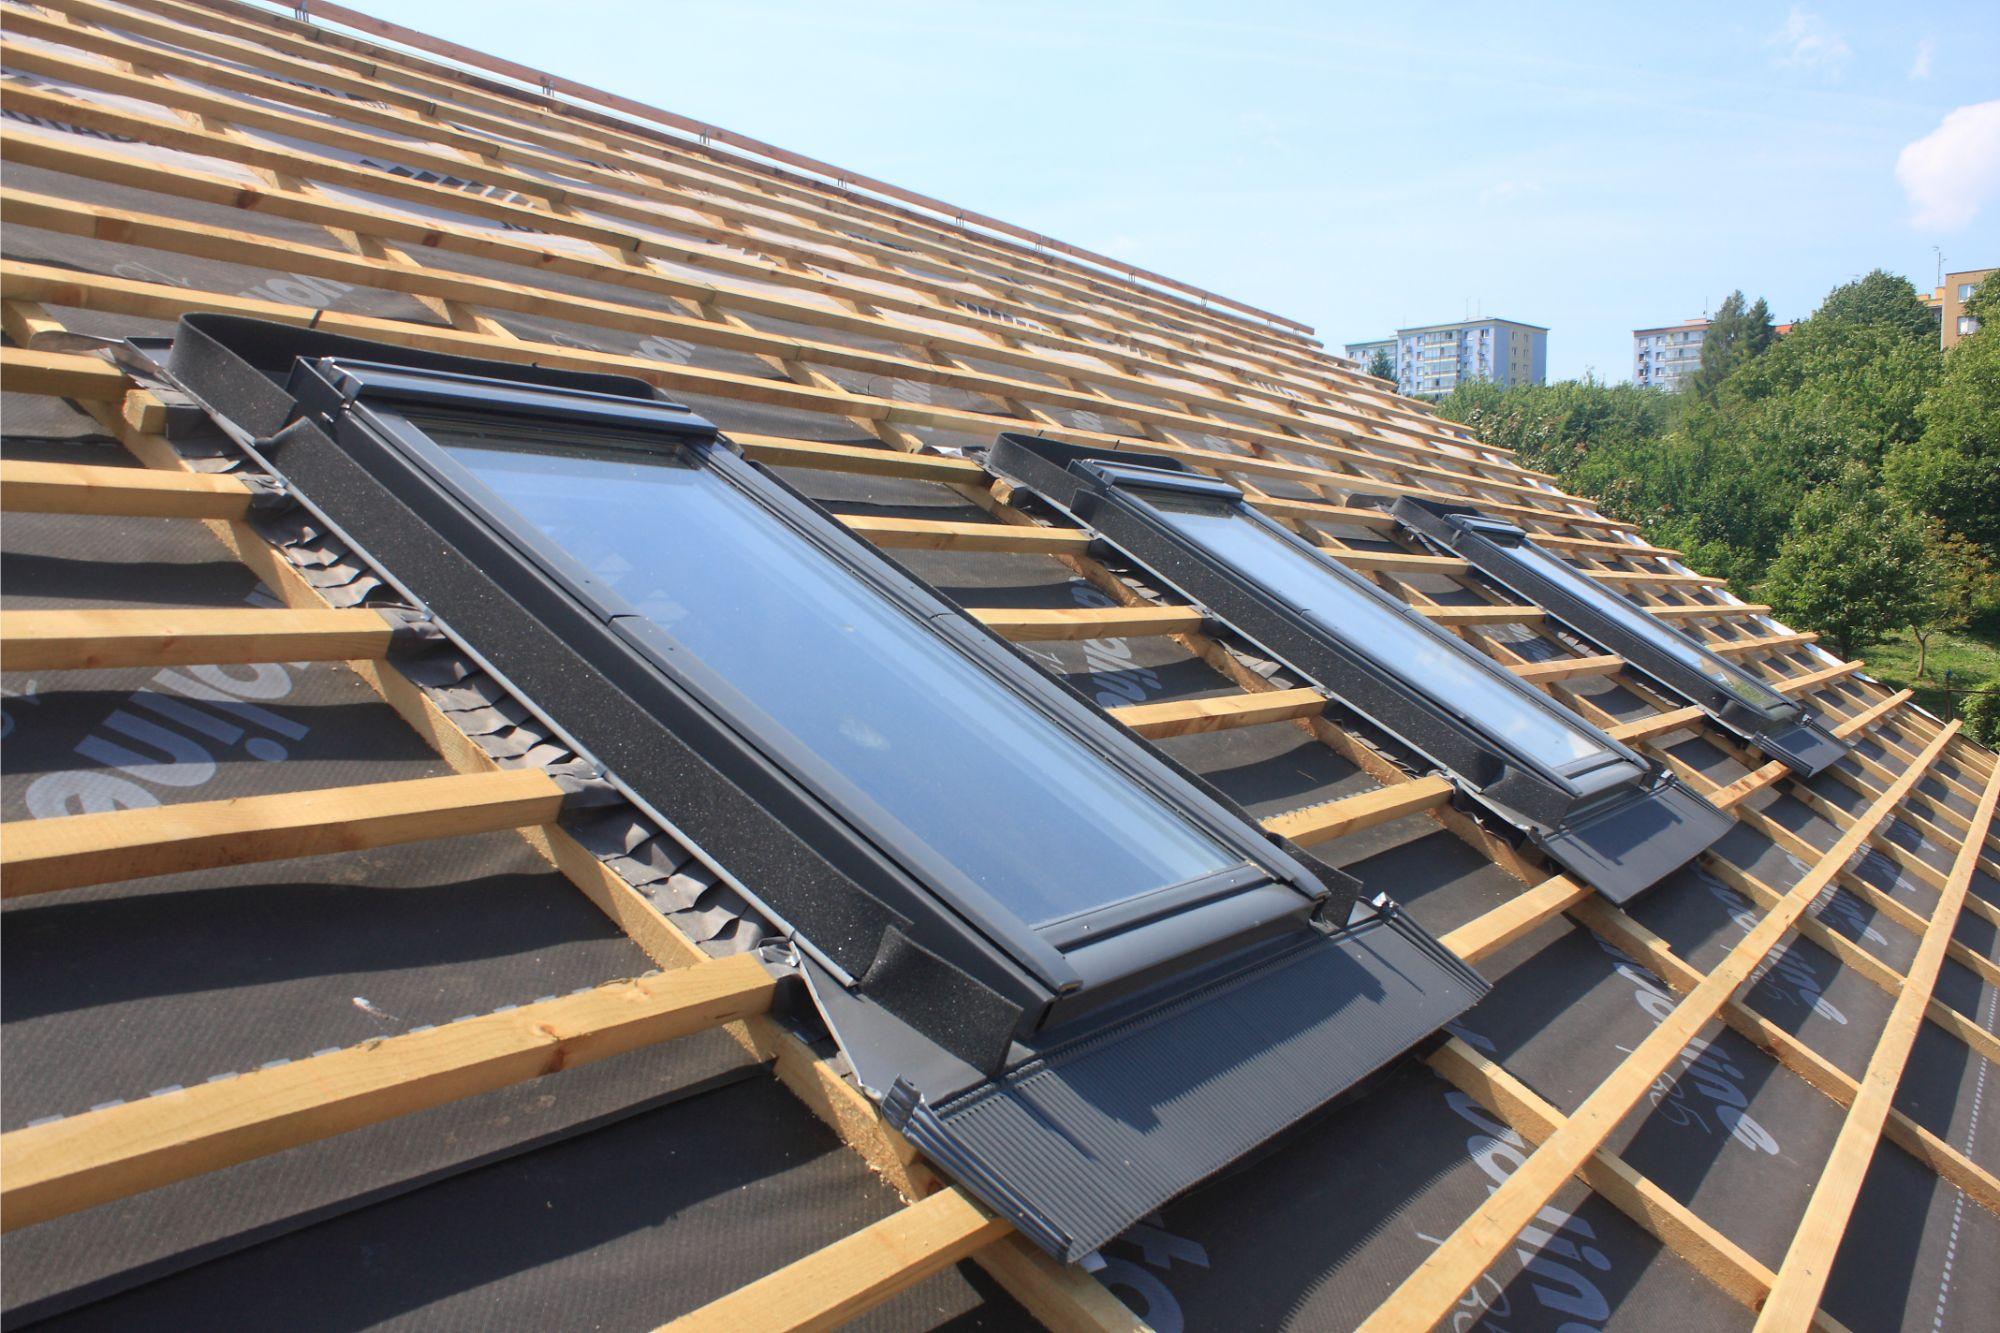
x: 1733, y: 698
x: 1026, y: 941
x: 1605, y: 812
x: 946, y: 1001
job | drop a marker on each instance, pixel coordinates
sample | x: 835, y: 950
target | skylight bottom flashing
x: 1806, y: 747
x: 1074, y: 1143
x: 1632, y: 843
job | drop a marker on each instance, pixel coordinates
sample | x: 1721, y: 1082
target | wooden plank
x: 125, y: 492
x: 923, y: 534
x: 1430, y: 1292
x: 1484, y: 615
x: 1321, y: 511
x: 43, y: 855
x: 1707, y: 609
x: 60, y: 374
x: 1495, y: 930
x: 631, y: 271
x: 854, y: 1274
x: 1646, y: 728
x: 1809, y: 1260
x: 56, y: 213
x: 1397, y: 562
x: 1874, y: 713
x: 1603, y: 547
x: 1568, y: 668
x: 777, y: 451
x: 50, y: 1170
x: 1814, y: 680
x: 1877, y: 973
x: 1062, y: 624
x: 1707, y: 1250
x: 22, y: 281
x: 91, y: 640
x: 1061, y: 1296
x: 1335, y: 819
x: 1733, y: 795
x: 1765, y: 643
x: 1187, y: 717
x: 1819, y: 1073
x: 1656, y: 576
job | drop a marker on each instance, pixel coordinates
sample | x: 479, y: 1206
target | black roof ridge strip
x: 931, y: 984
x: 1735, y: 700
x: 1614, y: 817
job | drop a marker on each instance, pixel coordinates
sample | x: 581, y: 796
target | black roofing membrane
x: 1268, y: 1263
x: 1316, y: 1233
x: 655, y: 1184
x: 626, y: 1227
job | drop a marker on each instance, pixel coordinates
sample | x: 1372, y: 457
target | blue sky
x: 1591, y: 168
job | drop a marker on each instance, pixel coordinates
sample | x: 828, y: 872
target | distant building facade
x: 1434, y: 359
x: 1663, y: 357
x: 1958, y: 288
x: 1363, y: 353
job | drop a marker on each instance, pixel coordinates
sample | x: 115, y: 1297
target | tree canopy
x: 1952, y: 468
x: 1852, y: 565
x: 1847, y: 469
x: 1884, y: 299
x: 1738, y: 332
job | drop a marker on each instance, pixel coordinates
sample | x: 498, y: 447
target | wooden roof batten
x: 60, y: 1172
x: 1044, y: 248
x: 1553, y: 897
x: 1374, y: 455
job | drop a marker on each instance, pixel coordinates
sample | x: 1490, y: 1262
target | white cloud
x: 1920, y: 66
x: 1805, y: 42
x: 1950, y: 172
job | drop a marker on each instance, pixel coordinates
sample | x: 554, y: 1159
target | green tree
x: 1738, y: 332
x: 1382, y: 366
x: 1853, y: 564
x: 1985, y: 303
x: 1963, y: 587
x: 1952, y: 470
x: 1833, y: 391
x: 1981, y: 711
x: 1723, y: 476
x: 1884, y: 299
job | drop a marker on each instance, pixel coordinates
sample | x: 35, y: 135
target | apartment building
x: 1363, y: 353
x: 1950, y: 299
x: 1662, y: 357
x: 1433, y: 359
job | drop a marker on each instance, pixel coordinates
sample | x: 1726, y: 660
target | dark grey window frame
x: 1202, y: 1019
x: 377, y: 399
x: 1609, y: 834
x: 1786, y: 730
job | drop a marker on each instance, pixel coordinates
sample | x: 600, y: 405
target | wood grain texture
x: 62, y: 1167
x: 45, y: 855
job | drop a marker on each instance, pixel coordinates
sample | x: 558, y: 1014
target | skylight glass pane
x: 1737, y: 683
x: 1042, y: 823
x: 1433, y: 664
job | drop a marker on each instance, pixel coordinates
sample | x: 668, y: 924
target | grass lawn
x: 1974, y: 661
